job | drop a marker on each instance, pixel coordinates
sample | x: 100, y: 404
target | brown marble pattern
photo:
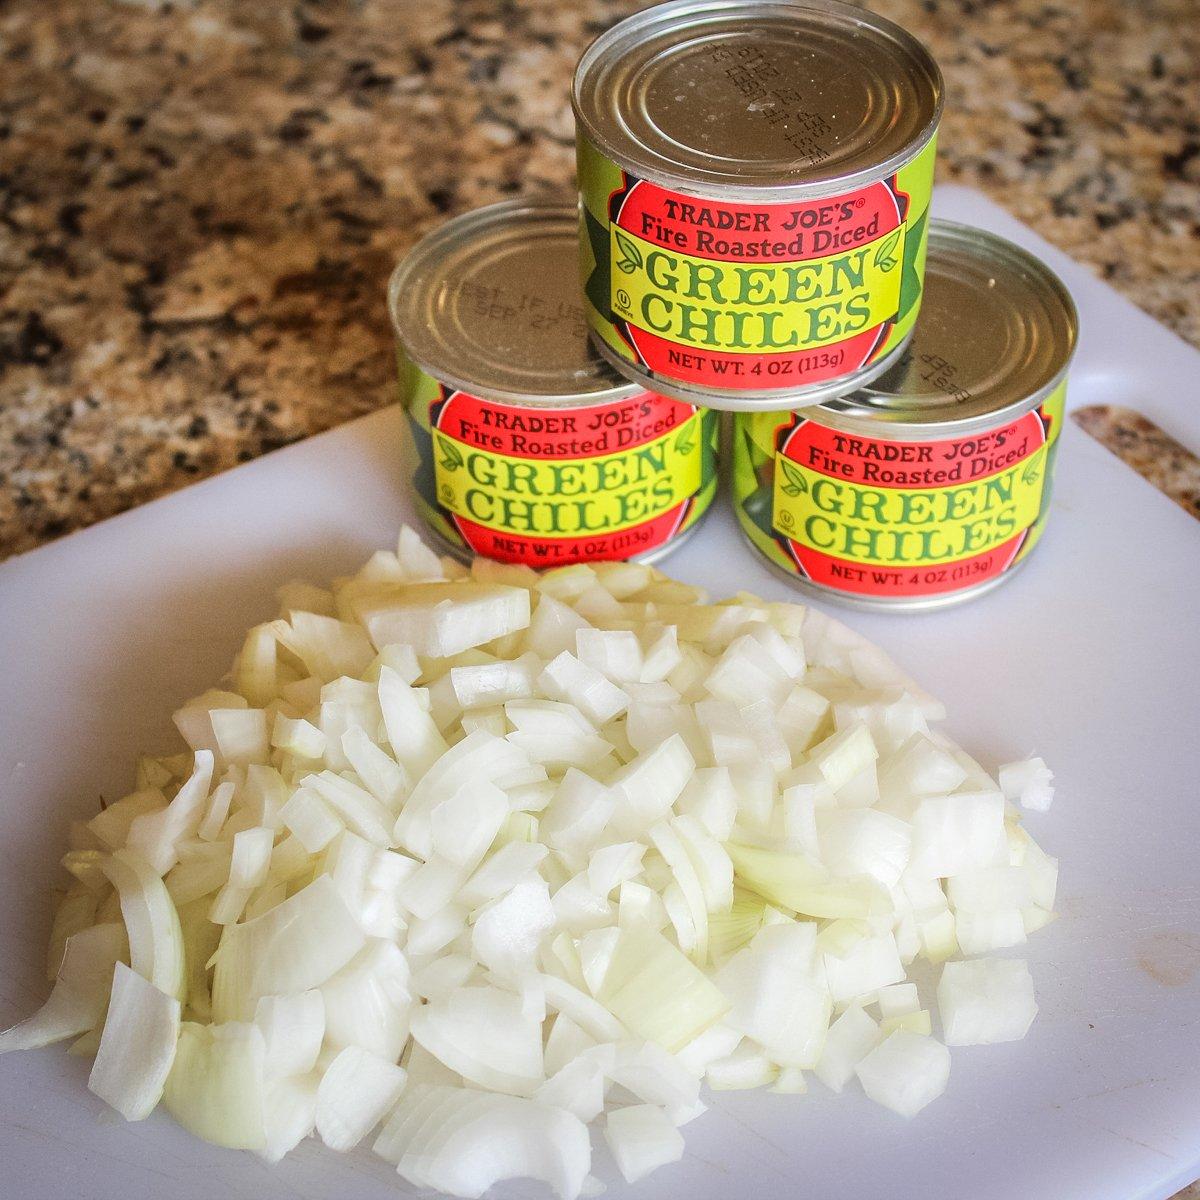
x: 200, y: 201
x: 1153, y: 454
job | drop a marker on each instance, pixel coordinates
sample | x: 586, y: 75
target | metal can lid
x: 489, y: 303
x: 995, y: 334
x: 800, y: 98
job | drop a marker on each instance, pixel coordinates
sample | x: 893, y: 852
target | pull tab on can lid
x: 804, y: 97
x: 995, y: 335
x: 489, y: 303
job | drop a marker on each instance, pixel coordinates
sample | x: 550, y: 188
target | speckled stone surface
x: 200, y: 202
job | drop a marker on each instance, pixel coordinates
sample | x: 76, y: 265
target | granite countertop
x: 200, y: 202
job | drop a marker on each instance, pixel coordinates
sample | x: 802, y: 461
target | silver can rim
x: 848, y: 416
x: 450, y: 233
x: 781, y: 191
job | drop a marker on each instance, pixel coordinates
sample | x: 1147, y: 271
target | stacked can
x: 755, y: 181
x: 524, y: 444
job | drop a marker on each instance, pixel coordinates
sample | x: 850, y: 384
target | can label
x: 548, y: 486
x: 748, y: 297
x: 876, y: 517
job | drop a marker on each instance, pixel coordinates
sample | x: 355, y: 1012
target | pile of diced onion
x: 471, y: 860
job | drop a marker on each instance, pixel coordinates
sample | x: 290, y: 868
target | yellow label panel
x: 755, y: 308
x: 897, y: 526
x: 570, y: 497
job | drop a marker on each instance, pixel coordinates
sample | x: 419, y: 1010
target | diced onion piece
x: 356, y: 807
x: 443, y: 975
x: 112, y: 824
x: 298, y: 737
x: 996, y: 929
x: 413, y: 735
x: 327, y: 647
x: 81, y: 989
x: 217, y: 811
x: 215, y: 1089
x: 263, y: 794
x: 710, y: 798
x: 298, y: 945
x: 842, y: 756
x: 851, y: 1038
x: 746, y: 1067
x: 861, y: 970
x: 464, y: 825
x: 581, y: 1085
x: 501, y: 872
x: 356, y: 1091
x: 986, y: 1000
x: 920, y: 768
x: 251, y: 857
x: 656, y: 992
x: 461, y: 1141
x: 293, y: 1028
x: 953, y: 834
x: 156, y: 833
x: 1029, y: 783
x: 905, y: 1072
x: 381, y: 775
x: 897, y: 999
x: 193, y: 719
x: 495, y: 682
x: 567, y: 678
x: 669, y: 845
x: 484, y: 1035
x: 778, y: 995
x: 155, y: 939
x: 578, y: 812
x: 313, y: 822
x: 566, y: 1041
x: 795, y: 882
x: 228, y: 904
x: 616, y: 654
x: 642, y: 1139
x: 790, y: 1082
x: 257, y: 665
x: 858, y: 841
x: 646, y: 788
x: 241, y: 734
x: 137, y: 1046
x: 478, y: 757
x: 289, y: 1114
x: 418, y: 561
x: 442, y: 619
x: 509, y: 929
x: 914, y: 1022
x: 716, y: 1042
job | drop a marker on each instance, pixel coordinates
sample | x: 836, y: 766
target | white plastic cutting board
x: 1091, y: 656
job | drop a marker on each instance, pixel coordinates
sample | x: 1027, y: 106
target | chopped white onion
x: 487, y: 854
x: 642, y: 1138
x: 137, y: 1046
x: 905, y: 1072
x: 356, y: 1091
x: 216, y: 1085
x: 80, y: 993
x: 986, y: 1000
